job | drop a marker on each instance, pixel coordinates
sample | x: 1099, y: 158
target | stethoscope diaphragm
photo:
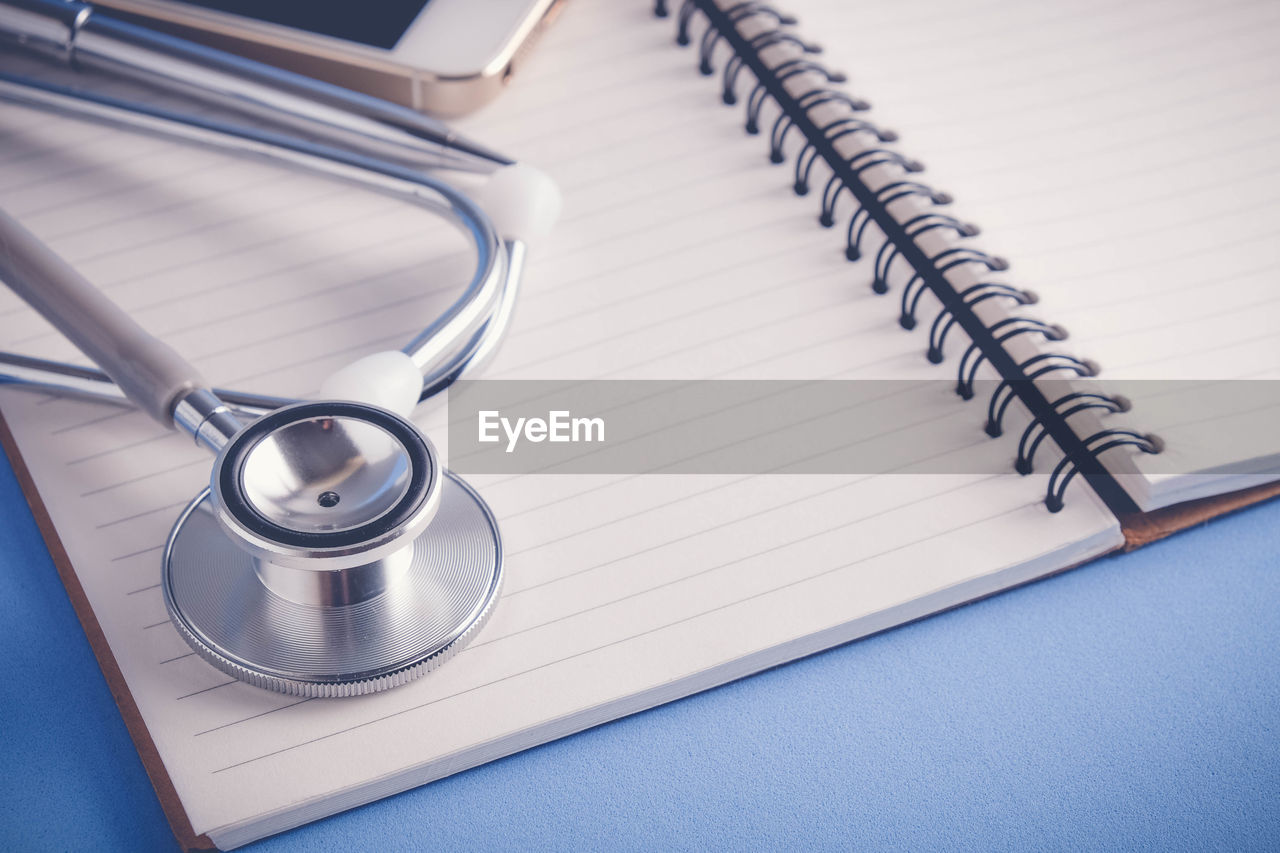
x: 303, y: 567
x: 441, y: 597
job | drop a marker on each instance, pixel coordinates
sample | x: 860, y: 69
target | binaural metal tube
x: 90, y: 383
x: 486, y: 340
x: 148, y: 371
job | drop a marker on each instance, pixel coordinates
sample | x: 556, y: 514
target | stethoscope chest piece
x: 331, y: 555
x: 302, y: 569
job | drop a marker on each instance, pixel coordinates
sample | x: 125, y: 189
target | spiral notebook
x: 1122, y: 165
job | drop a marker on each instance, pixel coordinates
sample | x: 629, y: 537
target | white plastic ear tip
x: 389, y: 380
x: 523, y: 202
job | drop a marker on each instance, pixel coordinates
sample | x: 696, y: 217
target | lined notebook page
x: 680, y: 255
x: 1125, y: 157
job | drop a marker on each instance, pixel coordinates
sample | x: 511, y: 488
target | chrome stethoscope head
x: 342, y: 483
x: 332, y: 554
x: 303, y: 568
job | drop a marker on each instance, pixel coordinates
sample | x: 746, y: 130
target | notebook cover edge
x: 1143, y: 528
x: 179, y: 822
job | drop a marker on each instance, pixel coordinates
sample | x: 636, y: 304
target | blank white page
x: 680, y: 255
x: 1125, y: 157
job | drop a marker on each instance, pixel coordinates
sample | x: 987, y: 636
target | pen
x: 83, y: 38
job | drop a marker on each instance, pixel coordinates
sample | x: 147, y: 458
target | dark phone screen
x: 378, y: 23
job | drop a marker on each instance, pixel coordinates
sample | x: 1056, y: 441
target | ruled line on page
x: 1103, y: 149
x: 620, y: 641
x: 1102, y: 122
x: 34, y: 120
x: 143, y: 514
x: 945, y: 18
x: 141, y: 442
x: 1186, y: 193
x: 1189, y: 219
x: 610, y: 205
x: 1007, y: 39
x: 172, y: 207
x: 252, y: 717
x: 738, y: 520
x: 363, y: 345
x: 177, y: 658
x: 1130, y: 58
x: 36, y: 178
x: 488, y: 640
x: 763, y: 227
x: 143, y: 477
x: 1201, y: 350
x: 689, y: 214
x: 25, y: 123
x: 138, y: 553
x: 205, y: 690
x: 819, y: 310
x: 318, y: 231
x: 1248, y: 307
x: 736, y: 298
x: 1131, y: 172
x: 941, y: 25
x: 123, y: 412
x: 108, y: 283
x: 1199, y: 284
x: 673, y: 283
x: 1235, y: 413
x: 155, y: 179
x: 1082, y: 280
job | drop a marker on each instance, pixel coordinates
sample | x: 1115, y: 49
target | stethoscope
x: 331, y: 554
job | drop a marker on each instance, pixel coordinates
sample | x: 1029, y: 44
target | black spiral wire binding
x: 1045, y: 363
x: 971, y: 296
x: 1080, y: 401
x: 1002, y: 331
x: 800, y: 114
x: 1098, y: 443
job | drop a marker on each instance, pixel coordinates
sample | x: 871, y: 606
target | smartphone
x: 446, y: 57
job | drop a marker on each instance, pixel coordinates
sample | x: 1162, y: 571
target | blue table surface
x: 1132, y: 703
